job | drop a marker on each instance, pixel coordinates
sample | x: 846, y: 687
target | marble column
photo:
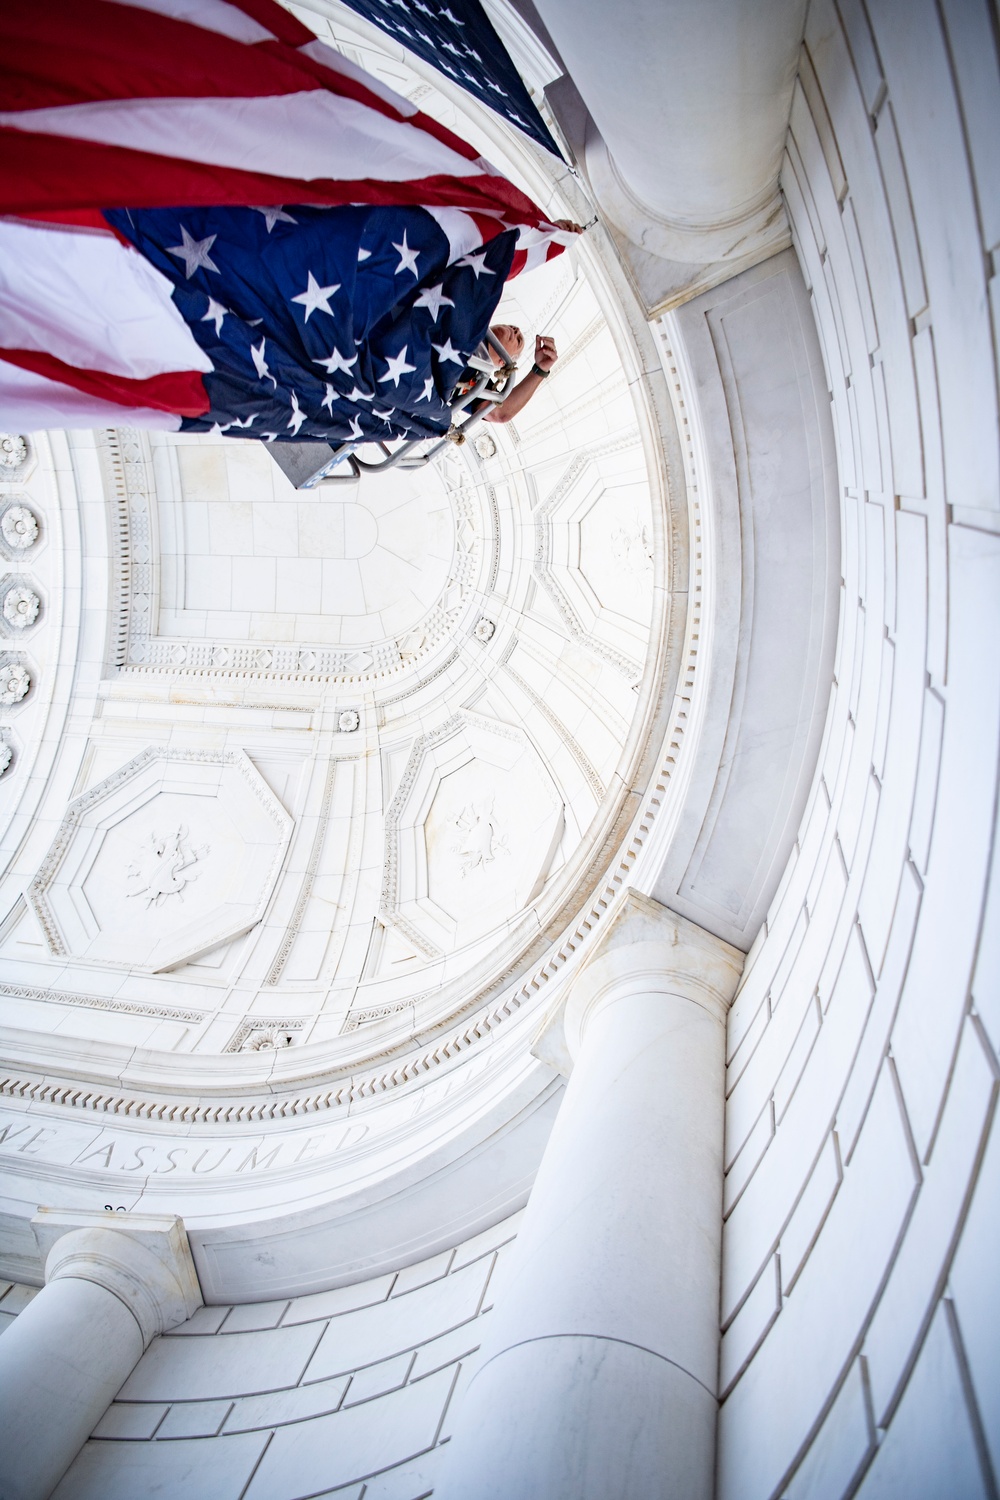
x: 599, y: 1371
x: 689, y: 101
x: 110, y: 1288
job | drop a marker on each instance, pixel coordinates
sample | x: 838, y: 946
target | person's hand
x: 546, y: 353
x: 569, y: 225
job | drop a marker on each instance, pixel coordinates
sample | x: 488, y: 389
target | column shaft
x: 62, y: 1361
x: 600, y: 1370
x: 690, y: 97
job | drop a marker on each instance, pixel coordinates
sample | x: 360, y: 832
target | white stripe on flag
x: 307, y: 135
x: 319, y: 52
x: 460, y: 228
x: 90, y: 301
x: 31, y: 403
x: 210, y: 15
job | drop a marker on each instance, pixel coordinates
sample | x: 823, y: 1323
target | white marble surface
x: 770, y: 481
x: 180, y: 1425
x: 599, y: 1369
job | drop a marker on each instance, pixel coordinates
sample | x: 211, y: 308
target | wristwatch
x: 537, y: 370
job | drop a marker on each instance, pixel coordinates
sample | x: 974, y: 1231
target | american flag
x: 458, y: 39
x: 313, y: 258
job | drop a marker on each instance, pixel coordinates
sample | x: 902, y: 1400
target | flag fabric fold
x: 344, y: 306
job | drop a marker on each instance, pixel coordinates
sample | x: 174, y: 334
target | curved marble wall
x: 860, y: 1300
x: 337, y: 1393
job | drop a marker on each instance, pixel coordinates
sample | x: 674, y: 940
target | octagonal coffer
x: 470, y: 834
x: 173, y: 854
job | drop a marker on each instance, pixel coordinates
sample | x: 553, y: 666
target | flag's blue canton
x: 458, y: 38
x: 335, y: 324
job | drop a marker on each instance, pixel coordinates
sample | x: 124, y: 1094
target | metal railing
x: 492, y: 387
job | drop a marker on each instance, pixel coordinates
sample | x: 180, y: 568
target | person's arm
x: 545, y: 357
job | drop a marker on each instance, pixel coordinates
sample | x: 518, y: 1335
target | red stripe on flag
x: 277, y: 19
x: 330, y: 79
x: 37, y: 171
x: 76, y: 218
x: 179, y: 391
x: 68, y: 53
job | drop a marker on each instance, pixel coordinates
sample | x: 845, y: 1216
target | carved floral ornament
x: 13, y: 450
x: 19, y: 526
x: 485, y: 630
x: 6, y: 756
x: 267, y: 1041
x: 21, y: 606
x: 349, y: 721
x: 14, y: 683
x: 162, y: 866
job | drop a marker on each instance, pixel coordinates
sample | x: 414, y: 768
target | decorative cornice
x: 102, y: 1002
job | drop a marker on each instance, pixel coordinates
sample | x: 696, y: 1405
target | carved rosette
x: 485, y: 630
x: 267, y: 1041
x: 14, y: 684
x: 19, y: 526
x: 21, y: 606
x: 6, y: 756
x: 349, y: 721
x: 13, y: 450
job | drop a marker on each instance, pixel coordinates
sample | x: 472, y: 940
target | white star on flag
x: 260, y: 363
x: 337, y: 361
x: 298, y: 415
x: 447, y: 351
x: 355, y: 424
x: 216, y: 313
x: 272, y: 215
x: 364, y: 254
x: 383, y: 416
x: 407, y: 257
x: 194, y: 253
x: 330, y: 397
x: 476, y: 263
x: 428, y: 390
x: 360, y: 395
x: 434, y: 298
x: 316, y: 297
x: 396, y: 366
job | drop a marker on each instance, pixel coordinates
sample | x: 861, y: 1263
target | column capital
x: 142, y: 1259
x: 646, y: 947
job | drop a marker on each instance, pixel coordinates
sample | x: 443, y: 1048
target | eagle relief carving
x: 162, y: 866
x: 481, y: 839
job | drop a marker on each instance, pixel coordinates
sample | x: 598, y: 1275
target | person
x: 510, y: 336
x: 546, y: 354
x: 486, y: 358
